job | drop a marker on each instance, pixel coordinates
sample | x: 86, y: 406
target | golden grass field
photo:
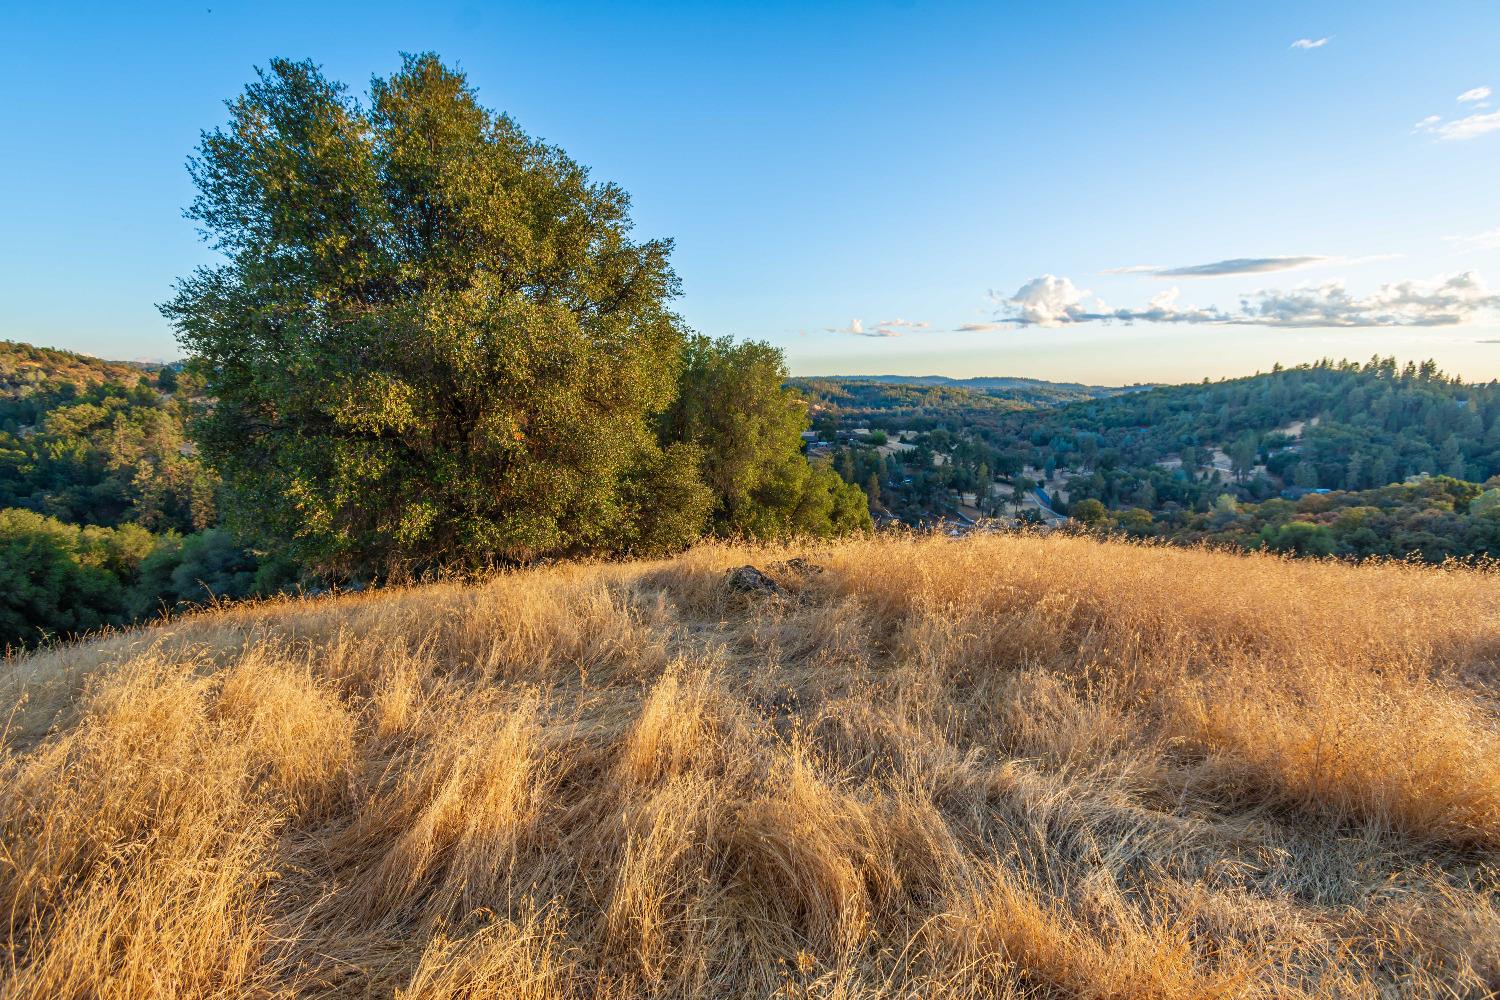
x: 996, y: 767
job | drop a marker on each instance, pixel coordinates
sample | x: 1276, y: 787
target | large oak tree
x: 433, y: 340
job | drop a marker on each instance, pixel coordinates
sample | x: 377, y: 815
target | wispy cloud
x: 1051, y: 301
x: 1309, y: 43
x: 1469, y: 126
x: 1238, y: 265
x: 856, y: 328
x: 1242, y: 265
x: 1487, y: 240
x: 903, y: 324
x: 1135, y: 269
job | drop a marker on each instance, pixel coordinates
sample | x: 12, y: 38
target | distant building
x: 1298, y: 492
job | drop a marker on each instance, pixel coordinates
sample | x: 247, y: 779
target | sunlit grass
x: 1011, y: 766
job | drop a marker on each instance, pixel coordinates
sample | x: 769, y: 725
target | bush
x: 57, y: 579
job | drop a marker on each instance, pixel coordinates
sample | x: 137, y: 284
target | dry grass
x: 1004, y: 767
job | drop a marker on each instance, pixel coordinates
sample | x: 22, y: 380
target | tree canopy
x: 734, y: 408
x: 435, y: 342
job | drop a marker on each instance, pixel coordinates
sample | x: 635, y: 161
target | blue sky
x: 1027, y: 172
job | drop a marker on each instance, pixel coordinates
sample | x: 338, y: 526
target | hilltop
x: 987, y: 383
x: 25, y: 368
x: 1005, y: 766
x: 904, y: 398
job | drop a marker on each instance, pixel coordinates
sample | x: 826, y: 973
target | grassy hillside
x: 995, y: 767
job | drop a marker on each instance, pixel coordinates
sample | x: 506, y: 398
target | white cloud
x: 903, y: 324
x: 1309, y: 43
x: 1487, y: 240
x: 1468, y: 127
x: 857, y: 329
x: 1047, y: 301
x: 1165, y: 300
x: 1053, y: 301
x: 1444, y: 302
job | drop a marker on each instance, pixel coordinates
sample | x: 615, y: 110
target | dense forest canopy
x: 890, y: 403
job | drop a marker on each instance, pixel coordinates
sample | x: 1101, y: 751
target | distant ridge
x: 26, y: 364
x: 983, y: 382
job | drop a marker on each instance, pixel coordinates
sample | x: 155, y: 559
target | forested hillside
x: 1363, y: 426
x: 895, y: 402
x: 1232, y: 462
x: 41, y: 374
x: 107, y: 515
x: 97, y: 442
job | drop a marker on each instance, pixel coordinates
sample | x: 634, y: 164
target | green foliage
x: 1362, y: 427
x: 55, y: 578
x: 926, y: 403
x: 1088, y: 512
x: 746, y: 426
x: 1486, y: 504
x: 1135, y: 521
x: 59, y: 580
x: 200, y: 569
x: 665, y: 497
x: 434, y: 341
x: 1300, y: 537
x: 1432, y: 519
x: 95, y: 442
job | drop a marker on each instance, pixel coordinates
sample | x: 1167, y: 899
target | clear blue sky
x: 823, y: 164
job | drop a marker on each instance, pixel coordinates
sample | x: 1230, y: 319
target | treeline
x: 433, y: 344
x: 842, y: 402
x: 59, y: 579
x: 1433, y: 519
x: 1166, y: 460
x: 1364, y: 426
